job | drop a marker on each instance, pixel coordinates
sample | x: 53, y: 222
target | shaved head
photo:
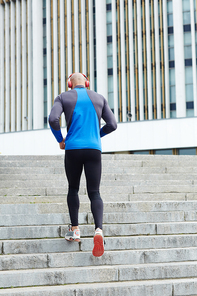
x: 77, y: 79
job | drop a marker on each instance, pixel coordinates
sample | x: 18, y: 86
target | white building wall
x: 135, y: 136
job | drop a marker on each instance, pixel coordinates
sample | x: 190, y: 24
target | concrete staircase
x: 150, y: 227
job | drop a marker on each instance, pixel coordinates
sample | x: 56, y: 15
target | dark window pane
x: 171, y: 64
x: 170, y: 30
x: 110, y: 71
x: 187, y: 151
x: 109, y: 39
x: 189, y: 105
x: 188, y: 62
x: 108, y: 7
x: 172, y: 106
x: 187, y: 28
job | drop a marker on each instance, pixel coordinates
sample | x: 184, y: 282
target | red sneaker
x: 98, y: 249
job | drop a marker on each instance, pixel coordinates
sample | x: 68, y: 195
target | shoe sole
x: 70, y: 239
x: 98, y: 249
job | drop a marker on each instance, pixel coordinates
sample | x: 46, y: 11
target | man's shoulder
x: 94, y: 94
x: 68, y: 94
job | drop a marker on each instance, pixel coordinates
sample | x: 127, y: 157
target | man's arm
x: 109, y: 118
x: 54, y: 118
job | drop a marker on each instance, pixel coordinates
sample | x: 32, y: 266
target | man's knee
x: 72, y: 191
x: 94, y: 195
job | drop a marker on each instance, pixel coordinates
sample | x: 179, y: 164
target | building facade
x: 140, y: 54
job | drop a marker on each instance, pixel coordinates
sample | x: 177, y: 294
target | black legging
x: 75, y: 160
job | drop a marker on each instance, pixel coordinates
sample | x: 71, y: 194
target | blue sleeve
x: 102, y: 134
x: 57, y: 134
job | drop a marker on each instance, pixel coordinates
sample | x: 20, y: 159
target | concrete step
x: 38, y: 219
x: 122, y: 218
x: 173, y: 287
x: 60, y: 170
x: 145, y: 197
x: 105, y: 183
x: 96, y: 274
x: 54, y: 231
x: 20, y: 199
x: 23, y: 218
x: 130, y: 160
x: 105, y: 170
x: 80, y: 259
x: 62, y: 190
x: 106, y: 190
x: 165, y: 189
x: 105, y: 156
x: 112, y: 243
x: 109, y: 207
x: 137, y: 176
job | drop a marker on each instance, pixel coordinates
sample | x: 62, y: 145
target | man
x: 83, y: 111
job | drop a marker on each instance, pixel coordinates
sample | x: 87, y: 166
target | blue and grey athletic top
x: 83, y: 111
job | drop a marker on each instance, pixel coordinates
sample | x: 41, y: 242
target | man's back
x: 83, y: 111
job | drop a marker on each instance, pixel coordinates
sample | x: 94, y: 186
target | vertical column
x: 193, y: 56
x: 18, y: 65
x: 2, y: 79
x: 87, y: 51
x: 30, y: 67
x: 153, y: 59
x: 49, y: 57
x: 139, y: 37
x: 157, y: 56
x: 91, y: 44
x: 149, y: 74
x: 62, y: 45
x: 101, y: 48
x: 76, y: 34
x: 62, y: 50
x: 136, y: 62
x: 179, y: 58
x: 59, y: 47
x: 55, y: 49
x: 24, y: 67
x: 12, y: 66
x: 166, y: 59
x: 69, y: 41
x: 123, y: 64
x: 80, y: 36
x: 128, y: 58
x: 162, y: 59
x: 114, y: 44
x: 73, y: 35
x: 119, y: 63
x: 84, y: 29
x: 52, y: 54
x: 145, y: 60
x: 66, y: 42
x: 38, y: 93
x: 131, y: 47
x: 7, y: 63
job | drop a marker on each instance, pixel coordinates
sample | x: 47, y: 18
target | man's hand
x: 62, y: 144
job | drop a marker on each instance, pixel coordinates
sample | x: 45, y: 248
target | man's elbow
x: 53, y: 122
x: 114, y: 126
